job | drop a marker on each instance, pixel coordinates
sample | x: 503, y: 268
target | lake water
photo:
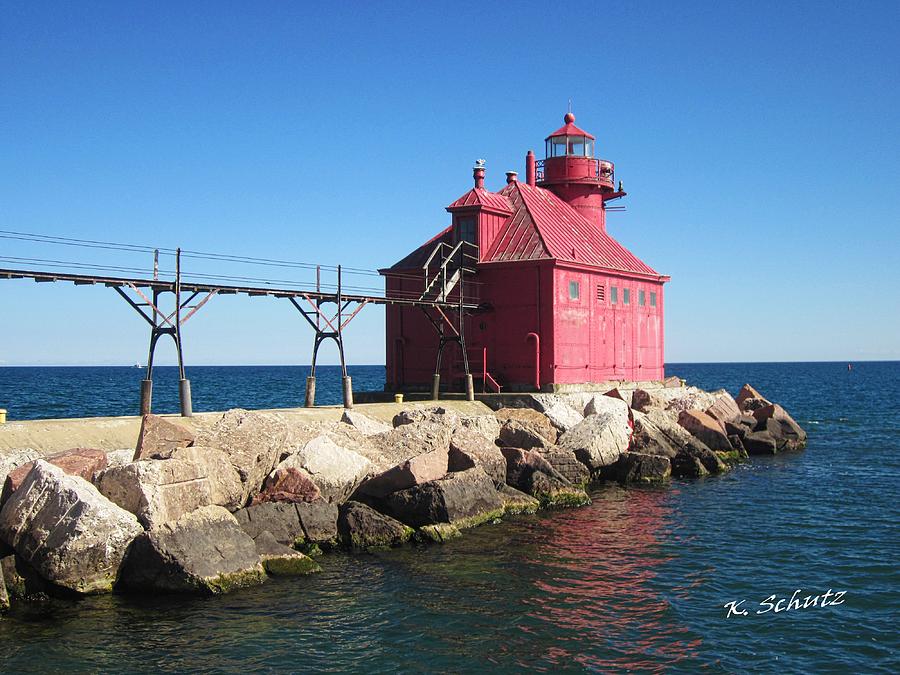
x: 637, y: 581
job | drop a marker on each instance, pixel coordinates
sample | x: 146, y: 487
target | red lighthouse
x: 559, y: 301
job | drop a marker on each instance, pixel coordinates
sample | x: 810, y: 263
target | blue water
x: 635, y: 582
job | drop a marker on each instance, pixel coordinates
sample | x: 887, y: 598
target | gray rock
x: 337, y: 471
x: 252, y: 441
x: 566, y: 464
x: 157, y: 490
x: 361, y: 527
x: 649, y: 439
x: 469, y: 449
x: 704, y: 428
x: 724, y: 409
x: 555, y: 492
x: 516, y: 502
x: 760, y: 443
x: 363, y: 423
x: 485, y: 425
x: 203, y: 552
x: 407, y: 441
x: 685, y: 465
x: 14, y: 459
x: 159, y: 437
x: 532, y: 420
x: 520, y: 464
x: 465, y: 499
x: 599, y: 439
x: 224, y: 480
x: 280, y: 560
x: 291, y: 524
x: 436, y: 415
x: 67, y: 530
x: 634, y: 467
x: 514, y: 434
x: 642, y: 400
x: 775, y: 419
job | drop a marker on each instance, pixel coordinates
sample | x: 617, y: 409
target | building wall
x: 597, y: 339
x: 583, y: 339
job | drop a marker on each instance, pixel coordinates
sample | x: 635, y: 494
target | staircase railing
x: 442, y: 277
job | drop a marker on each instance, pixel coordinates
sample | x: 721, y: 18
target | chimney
x: 478, y: 174
x: 512, y: 176
x: 530, y: 173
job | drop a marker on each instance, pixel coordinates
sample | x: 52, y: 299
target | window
x: 574, y: 290
x: 601, y: 292
x: 613, y: 295
x: 642, y: 299
x: 465, y: 230
x: 652, y: 299
x: 626, y: 296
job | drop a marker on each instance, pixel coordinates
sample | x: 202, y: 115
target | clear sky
x: 758, y: 143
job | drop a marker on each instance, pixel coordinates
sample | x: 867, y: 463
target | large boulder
x: 157, y: 490
x: 601, y: 404
x: 775, y: 419
x: 280, y: 560
x: 15, y: 458
x: 407, y: 441
x: 551, y: 491
x: 705, y: 428
x: 688, y: 398
x: 86, y: 463
x: 67, y: 530
x: 225, y: 487
x: 635, y: 467
x: 566, y: 464
x: 641, y: 400
x: 520, y: 464
x: 204, y: 552
x: 724, y: 409
x: 536, y: 422
x: 469, y: 449
x: 159, y: 438
x: 748, y: 399
x: 516, y: 501
x: 414, y: 471
x: 288, y: 484
x: 649, y: 439
x: 464, y: 499
x: 760, y: 443
x: 291, y: 524
x: 685, y: 465
x: 514, y: 434
x: 557, y: 409
x: 366, y: 425
x: 485, y: 425
x: 432, y: 415
x: 599, y: 439
x: 336, y: 470
x: 253, y: 442
x: 361, y: 527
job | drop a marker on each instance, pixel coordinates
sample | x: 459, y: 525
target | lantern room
x: 570, y: 170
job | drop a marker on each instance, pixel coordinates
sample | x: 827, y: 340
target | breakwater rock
x: 223, y: 501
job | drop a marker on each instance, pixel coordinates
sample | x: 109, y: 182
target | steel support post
x: 146, y: 397
x: 310, y: 401
x: 470, y: 388
x: 435, y: 386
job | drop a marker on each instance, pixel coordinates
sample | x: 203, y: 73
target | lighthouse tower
x: 571, y: 172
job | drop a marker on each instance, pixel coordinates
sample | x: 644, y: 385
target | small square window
x: 652, y: 299
x: 613, y: 295
x: 642, y: 298
x: 626, y: 296
x: 574, y: 290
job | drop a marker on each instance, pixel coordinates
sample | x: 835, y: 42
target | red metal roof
x: 483, y: 198
x: 569, y: 129
x: 544, y: 226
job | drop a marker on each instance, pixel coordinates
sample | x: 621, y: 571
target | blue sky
x: 758, y: 143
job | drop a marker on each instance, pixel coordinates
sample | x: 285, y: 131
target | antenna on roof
x: 570, y: 105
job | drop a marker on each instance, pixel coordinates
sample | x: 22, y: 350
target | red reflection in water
x: 599, y: 564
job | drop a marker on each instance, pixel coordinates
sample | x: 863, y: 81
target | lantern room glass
x: 570, y: 146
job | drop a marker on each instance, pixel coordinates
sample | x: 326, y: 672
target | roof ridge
x: 537, y: 228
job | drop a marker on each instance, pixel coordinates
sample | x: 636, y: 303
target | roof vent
x: 512, y: 176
